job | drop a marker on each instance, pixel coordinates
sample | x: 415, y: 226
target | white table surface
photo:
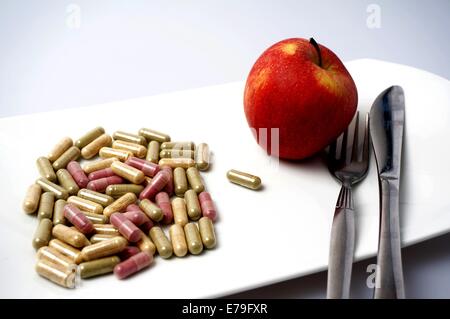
x: 56, y: 55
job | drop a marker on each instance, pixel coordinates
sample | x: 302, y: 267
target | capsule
x: 128, y: 137
x: 148, y: 168
x: 207, y: 205
x: 106, y: 229
x: 128, y: 252
x: 46, y: 203
x: 67, y: 182
x: 43, y: 233
x: 152, y: 135
x: 62, y: 146
x: 106, y: 172
x: 177, y: 162
x: 157, y: 184
x: 202, y: 156
x: 179, y: 211
x: 120, y: 204
x: 45, y: 169
x: 100, y: 237
x: 154, y: 212
x: 193, y: 238
x: 178, y: 240
x: 132, y: 265
x: 103, y: 249
x: 207, y: 232
x: 54, y: 256
x: 169, y: 188
x: 162, y: 243
x: 117, y: 190
x: 126, y: 227
x: 244, y: 179
x: 195, y: 180
x: 47, y: 186
x: 58, y: 212
x: 78, y: 219
x: 137, y: 217
x: 70, y: 236
x: 78, y: 174
x: 31, y: 200
x: 98, y: 165
x: 187, y: 146
x: 98, y: 267
x: 192, y: 204
x: 67, y: 250
x: 100, y: 185
x: 107, y: 152
x: 153, y: 152
x: 71, y: 154
x: 94, y: 147
x: 128, y: 172
x: 137, y: 150
x: 95, y: 197
x: 163, y: 201
x: 180, y: 181
x: 174, y: 153
x: 89, y: 137
x: 64, y: 277
x: 95, y: 218
x: 85, y: 205
x: 146, y: 244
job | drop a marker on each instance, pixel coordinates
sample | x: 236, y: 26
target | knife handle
x: 389, y: 276
x: 342, y: 246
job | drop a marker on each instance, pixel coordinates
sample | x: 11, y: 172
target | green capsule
x: 58, y: 212
x: 187, y: 146
x: 193, y: 239
x: 45, y: 169
x: 118, y: 190
x: 128, y: 137
x: 192, y: 204
x: 66, y: 180
x: 71, y: 154
x: 47, y: 186
x: 244, y: 179
x: 62, y: 146
x: 195, y: 180
x: 152, y: 211
x: 46, y: 203
x: 171, y: 153
x: 207, y: 232
x: 95, y: 197
x: 152, y: 135
x: 162, y: 243
x: 180, y: 181
x: 153, y: 152
x: 89, y: 137
x: 43, y: 233
x: 98, y: 267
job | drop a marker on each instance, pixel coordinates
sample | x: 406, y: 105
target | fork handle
x: 342, y: 246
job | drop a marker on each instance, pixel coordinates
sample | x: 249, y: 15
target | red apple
x: 305, y: 91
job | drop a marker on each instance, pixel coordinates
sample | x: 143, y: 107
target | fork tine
x: 355, y: 139
x: 343, y: 155
x: 365, y: 156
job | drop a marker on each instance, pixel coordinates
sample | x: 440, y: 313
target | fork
x: 349, y: 168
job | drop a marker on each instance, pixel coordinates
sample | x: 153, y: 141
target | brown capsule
x: 195, y: 180
x: 107, y: 152
x: 89, y: 137
x: 70, y: 236
x: 58, y: 212
x: 62, y: 146
x: 54, y: 256
x: 67, y: 250
x: 137, y: 150
x: 193, y: 239
x: 153, y: 152
x: 180, y: 216
x: 151, y: 210
x: 100, y: 237
x: 118, y: 190
x: 98, y: 267
x: 47, y: 186
x: 187, y: 146
x: 103, y: 249
x: 146, y: 244
x: 152, y: 135
x: 31, y: 201
x: 128, y: 172
x: 120, y: 204
x: 43, y: 233
x: 244, y: 179
x: 169, y: 153
x: 202, y: 156
x: 46, y: 203
x: 98, y: 165
x: 207, y: 232
x: 45, y: 169
x: 92, y: 149
x: 66, y: 180
x: 162, y: 243
x: 95, y: 197
x: 180, y: 181
x: 71, y: 154
x: 193, y: 205
x: 64, y: 277
x: 95, y: 218
x: 85, y: 205
x: 128, y: 137
x: 178, y: 240
x: 177, y: 162
x: 106, y: 229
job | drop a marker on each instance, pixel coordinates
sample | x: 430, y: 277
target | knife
x: 386, y: 121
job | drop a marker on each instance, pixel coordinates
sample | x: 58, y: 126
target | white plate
x: 264, y: 237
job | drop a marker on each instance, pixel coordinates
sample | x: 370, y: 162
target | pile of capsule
x: 108, y: 215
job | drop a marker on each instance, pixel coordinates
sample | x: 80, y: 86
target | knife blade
x: 387, y: 121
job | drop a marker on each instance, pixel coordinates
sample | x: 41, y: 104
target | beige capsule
x: 70, y: 236
x: 192, y: 204
x: 137, y: 150
x: 195, y: 180
x: 95, y: 218
x: 98, y: 165
x: 129, y: 137
x: 31, y: 200
x: 244, y: 179
x: 71, y: 154
x: 118, y: 190
x: 106, y: 229
x: 66, y: 180
x: 151, y: 210
x: 128, y: 172
x: 171, y: 153
x: 177, y: 162
x: 67, y: 250
x: 146, y: 244
x: 54, y: 256
x: 95, y: 197
x: 202, y: 156
x: 98, y: 267
x: 180, y: 181
x: 58, y: 212
x: 162, y: 243
x: 62, y: 276
x: 207, y: 232
x: 187, y: 146
x: 43, y: 233
x: 100, y: 237
x: 89, y: 137
x: 178, y: 240
x: 153, y: 152
x: 47, y: 186
x: 85, y: 205
x: 107, y: 152
x: 45, y: 169
x: 193, y: 239
x: 180, y: 216
x: 120, y: 204
x: 152, y: 135
x: 104, y: 248
x: 46, y: 204
x: 92, y: 149
x: 62, y: 146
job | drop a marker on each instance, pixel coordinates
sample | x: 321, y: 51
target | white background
x: 55, y: 55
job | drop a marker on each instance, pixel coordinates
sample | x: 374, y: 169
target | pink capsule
x: 99, y: 185
x: 102, y: 173
x: 169, y: 187
x: 133, y: 208
x: 128, y: 252
x: 137, y: 217
x: 125, y: 227
x: 145, y: 227
x: 78, y: 219
x: 78, y: 174
x: 148, y: 168
x: 163, y: 201
x: 207, y: 205
x: 133, y: 265
x: 157, y: 184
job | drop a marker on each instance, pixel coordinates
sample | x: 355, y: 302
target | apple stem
x: 316, y: 46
